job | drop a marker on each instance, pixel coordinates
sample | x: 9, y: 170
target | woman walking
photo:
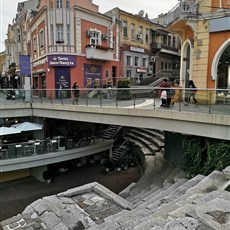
x: 192, y: 94
x: 75, y: 93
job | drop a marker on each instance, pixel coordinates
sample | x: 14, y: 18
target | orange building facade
x: 204, y: 30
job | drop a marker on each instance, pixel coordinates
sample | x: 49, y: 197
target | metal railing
x: 212, y: 101
x: 38, y: 147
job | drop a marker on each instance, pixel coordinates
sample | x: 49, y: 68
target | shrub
x: 124, y: 94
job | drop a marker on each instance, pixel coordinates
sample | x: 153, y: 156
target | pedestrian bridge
x: 145, y: 113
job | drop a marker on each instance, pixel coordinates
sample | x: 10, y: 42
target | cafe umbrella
x: 27, y: 126
x: 8, y: 131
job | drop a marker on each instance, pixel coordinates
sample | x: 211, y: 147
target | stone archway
x: 186, y: 62
x: 220, y: 66
x: 223, y: 70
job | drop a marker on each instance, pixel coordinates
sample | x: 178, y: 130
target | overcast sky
x: 8, y: 10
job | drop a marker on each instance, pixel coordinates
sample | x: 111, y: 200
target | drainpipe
x: 111, y: 30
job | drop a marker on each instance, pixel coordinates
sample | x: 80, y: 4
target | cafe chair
x: 38, y: 147
x: 18, y: 150
x: 4, y: 154
x: 27, y: 150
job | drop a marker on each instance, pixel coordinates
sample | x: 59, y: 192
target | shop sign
x: 141, y: 70
x: 62, y: 60
x: 137, y: 49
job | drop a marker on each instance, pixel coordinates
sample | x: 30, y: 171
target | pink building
x: 71, y: 41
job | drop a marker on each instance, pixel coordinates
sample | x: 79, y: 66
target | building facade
x: 72, y: 43
x: 204, y: 29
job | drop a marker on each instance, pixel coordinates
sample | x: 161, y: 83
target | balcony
x: 155, y: 47
x: 182, y: 10
x: 99, y: 52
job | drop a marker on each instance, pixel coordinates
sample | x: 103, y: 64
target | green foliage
x: 193, y: 162
x: 202, y: 156
x: 124, y: 94
x: 218, y: 156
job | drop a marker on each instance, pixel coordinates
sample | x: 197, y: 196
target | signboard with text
x: 92, y: 75
x: 62, y: 60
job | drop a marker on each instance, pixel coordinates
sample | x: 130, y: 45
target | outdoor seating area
x: 37, y: 147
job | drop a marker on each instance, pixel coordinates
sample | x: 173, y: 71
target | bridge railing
x: 212, y: 101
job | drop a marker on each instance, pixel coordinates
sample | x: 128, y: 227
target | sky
x: 8, y: 10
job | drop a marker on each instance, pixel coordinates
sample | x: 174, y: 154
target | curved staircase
x: 150, y: 141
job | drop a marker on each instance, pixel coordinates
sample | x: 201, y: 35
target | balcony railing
x: 156, y: 46
x: 50, y: 145
x: 99, y: 53
x: 212, y: 101
x: 182, y: 10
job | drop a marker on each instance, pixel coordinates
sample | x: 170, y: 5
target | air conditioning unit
x: 139, y: 36
x: 104, y: 36
x: 152, y: 59
x: 89, y: 33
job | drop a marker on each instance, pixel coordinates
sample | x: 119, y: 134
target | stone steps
x: 151, y: 136
x: 180, y: 204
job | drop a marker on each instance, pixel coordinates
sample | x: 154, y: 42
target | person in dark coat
x: 75, y: 90
x: 192, y: 94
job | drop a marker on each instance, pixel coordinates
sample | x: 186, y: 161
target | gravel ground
x: 14, y: 197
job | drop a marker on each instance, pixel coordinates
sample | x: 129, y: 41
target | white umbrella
x: 8, y: 131
x: 27, y: 126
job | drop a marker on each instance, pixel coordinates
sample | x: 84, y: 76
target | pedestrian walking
x: 193, y: 91
x: 60, y: 87
x: 76, y: 92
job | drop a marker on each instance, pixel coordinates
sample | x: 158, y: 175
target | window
x: 128, y: 60
x: 95, y: 38
x: 169, y: 40
x: 125, y: 29
x: 140, y: 33
x: 166, y: 65
x: 59, y: 3
x: 165, y: 39
x: 19, y: 35
x: 128, y: 73
x: 137, y: 61
x: 174, y: 42
x: 41, y: 37
x: 67, y: 4
x: 162, y: 65
x: 147, y: 35
x: 169, y: 65
x: 144, y: 62
x: 35, y: 44
x: 52, y: 34
x: 68, y: 35
x: 60, y: 33
x: 132, y: 31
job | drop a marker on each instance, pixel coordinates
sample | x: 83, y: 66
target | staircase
x: 150, y: 141
x: 118, y: 154
x: 111, y: 132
